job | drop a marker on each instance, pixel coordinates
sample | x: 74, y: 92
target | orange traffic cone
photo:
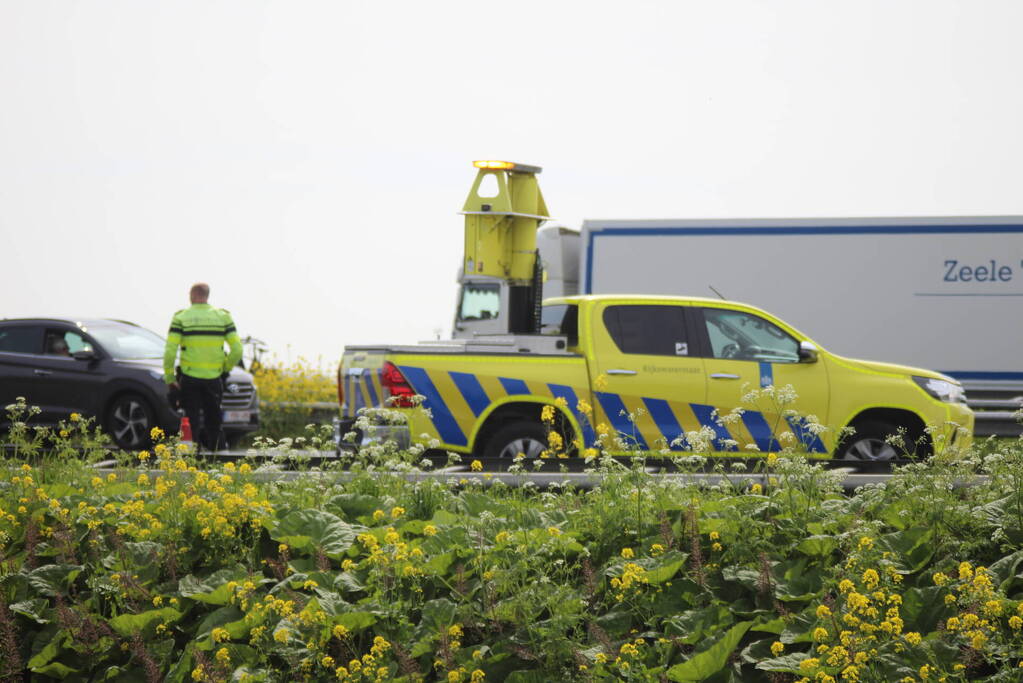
x: 186, y: 431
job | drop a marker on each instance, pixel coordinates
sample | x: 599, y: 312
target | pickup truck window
x: 480, y: 301
x: 561, y: 319
x: 743, y: 336
x: 648, y: 330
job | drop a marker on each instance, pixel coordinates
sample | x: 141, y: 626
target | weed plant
x: 168, y: 568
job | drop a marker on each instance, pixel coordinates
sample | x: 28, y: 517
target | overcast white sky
x: 308, y: 159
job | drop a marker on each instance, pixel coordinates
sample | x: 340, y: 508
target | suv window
x: 63, y: 343
x: 21, y: 339
x: 743, y: 336
x: 648, y: 330
x: 479, y: 301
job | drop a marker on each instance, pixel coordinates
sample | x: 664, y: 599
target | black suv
x: 108, y: 369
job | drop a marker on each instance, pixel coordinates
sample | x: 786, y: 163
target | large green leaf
x: 697, y: 625
x: 912, y: 545
x: 704, y: 664
x: 665, y: 567
x: 213, y: 590
x: 132, y: 624
x: 33, y: 609
x: 356, y: 621
x: 316, y: 530
x: 49, y: 652
x: 352, y: 505
x: 818, y: 546
x: 53, y: 579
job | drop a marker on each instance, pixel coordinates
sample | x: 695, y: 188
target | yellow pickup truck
x: 646, y: 375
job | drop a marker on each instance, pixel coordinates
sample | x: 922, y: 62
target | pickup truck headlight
x: 943, y: 390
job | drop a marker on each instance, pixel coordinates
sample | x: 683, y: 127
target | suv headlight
x: 943, y: 390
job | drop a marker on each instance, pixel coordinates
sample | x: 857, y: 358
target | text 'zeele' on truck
x: 634, y: 372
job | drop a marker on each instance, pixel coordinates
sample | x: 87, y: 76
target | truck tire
x: 868, y: 443
x: 529, y: 438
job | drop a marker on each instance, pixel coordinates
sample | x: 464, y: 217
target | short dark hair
x: 200, y: 290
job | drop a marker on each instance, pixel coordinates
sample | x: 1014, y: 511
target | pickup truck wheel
x: 868, y: 443
x: 528, y: 438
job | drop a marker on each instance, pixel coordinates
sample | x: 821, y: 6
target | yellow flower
x: 716, y: 547
x: 455, y: 631
x: 1015, y: 623
x: 777, y: 647
x: 554, y: 531
x: 476, y: 676
x: 656, y: 549
x: 939, y: 579
x: 547, y: 414
x: 476, y: 466
x: 223, y: 656
x: 220, y: 635
x: 397, y: 512
x: 340, y: 632
x: 156, y: 433
x: 378, y: 515
x: 965, y: 570
x: 600, y: 382
x: 75, y: 417
x: 809, y: 665
x: 157, y: 601
x: 429, y: 530
x: 866, y: 543
x: 327, y: 662
x: 823, y: 611
x: 627, y: 553
x: 820, y: 634
x: 756, y: 489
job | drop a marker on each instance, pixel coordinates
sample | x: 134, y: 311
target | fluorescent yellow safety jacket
x: 201, y: 331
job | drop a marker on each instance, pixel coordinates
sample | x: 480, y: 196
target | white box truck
x: 937, y: 292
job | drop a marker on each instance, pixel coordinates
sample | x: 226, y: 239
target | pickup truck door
x: 746, y: 353
x: 645, y: 375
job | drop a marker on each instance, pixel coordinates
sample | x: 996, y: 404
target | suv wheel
x: 129, y: 419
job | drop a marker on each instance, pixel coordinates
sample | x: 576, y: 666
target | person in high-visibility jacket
x: 201, y: 331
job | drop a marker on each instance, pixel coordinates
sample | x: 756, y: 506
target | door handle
x: 724, y: 375
x: 43, y: 372
x: 618, y: 371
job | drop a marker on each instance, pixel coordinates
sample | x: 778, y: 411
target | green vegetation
x: 167, y: 568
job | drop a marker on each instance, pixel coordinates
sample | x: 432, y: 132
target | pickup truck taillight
x: 397, y: 386
x: 340, y: 388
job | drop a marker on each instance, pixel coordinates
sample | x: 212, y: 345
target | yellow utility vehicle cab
x: 643, y: 371
x: 629, y: 373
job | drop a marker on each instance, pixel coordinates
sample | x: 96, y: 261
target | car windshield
x: 127, y: 342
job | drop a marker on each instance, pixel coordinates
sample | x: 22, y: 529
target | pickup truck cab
x: 636, y: 374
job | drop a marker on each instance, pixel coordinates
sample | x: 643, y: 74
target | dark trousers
x: 201, y: 400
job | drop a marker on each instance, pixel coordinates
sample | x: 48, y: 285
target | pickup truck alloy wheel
x: 868, y: 443
x: 129, y: 419
x: 528, y: 438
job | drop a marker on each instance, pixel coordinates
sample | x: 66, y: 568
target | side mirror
x: 808, y: 352
x: 85, y: 354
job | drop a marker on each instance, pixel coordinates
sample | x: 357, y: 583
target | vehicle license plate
x: 236, y: 416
